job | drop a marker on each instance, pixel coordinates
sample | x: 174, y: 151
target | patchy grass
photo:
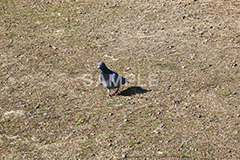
x: 50, y: 111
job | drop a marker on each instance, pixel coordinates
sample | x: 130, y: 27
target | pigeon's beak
x: 98, y: 67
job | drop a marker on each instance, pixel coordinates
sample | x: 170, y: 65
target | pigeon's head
x: 102, y: 67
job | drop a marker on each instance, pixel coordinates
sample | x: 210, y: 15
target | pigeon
x: 110, y: 79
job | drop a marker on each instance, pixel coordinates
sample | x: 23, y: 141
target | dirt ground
x: 182, y: 58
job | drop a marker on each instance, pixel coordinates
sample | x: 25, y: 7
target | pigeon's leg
x: 116, y: 92
x: 108, y: 95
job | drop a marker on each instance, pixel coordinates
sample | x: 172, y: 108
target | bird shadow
x: 133, y: 90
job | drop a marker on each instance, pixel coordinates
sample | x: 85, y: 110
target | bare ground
x: 191, y: 48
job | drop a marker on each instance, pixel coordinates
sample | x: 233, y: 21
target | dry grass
x: 192, y: 48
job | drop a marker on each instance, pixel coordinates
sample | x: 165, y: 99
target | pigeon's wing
x: 117, y: 80
x: 104, y: 79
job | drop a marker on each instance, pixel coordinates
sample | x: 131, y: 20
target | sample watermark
x: 152, y: 80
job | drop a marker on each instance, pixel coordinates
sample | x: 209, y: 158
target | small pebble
x: 202, y: 32
x: 205, y: 41
x: 156, y: 132
x: 55, y: 48
x: 193, y: 57
x: 125, y: 120
x: 128, y: 69
x: 211, y: 120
